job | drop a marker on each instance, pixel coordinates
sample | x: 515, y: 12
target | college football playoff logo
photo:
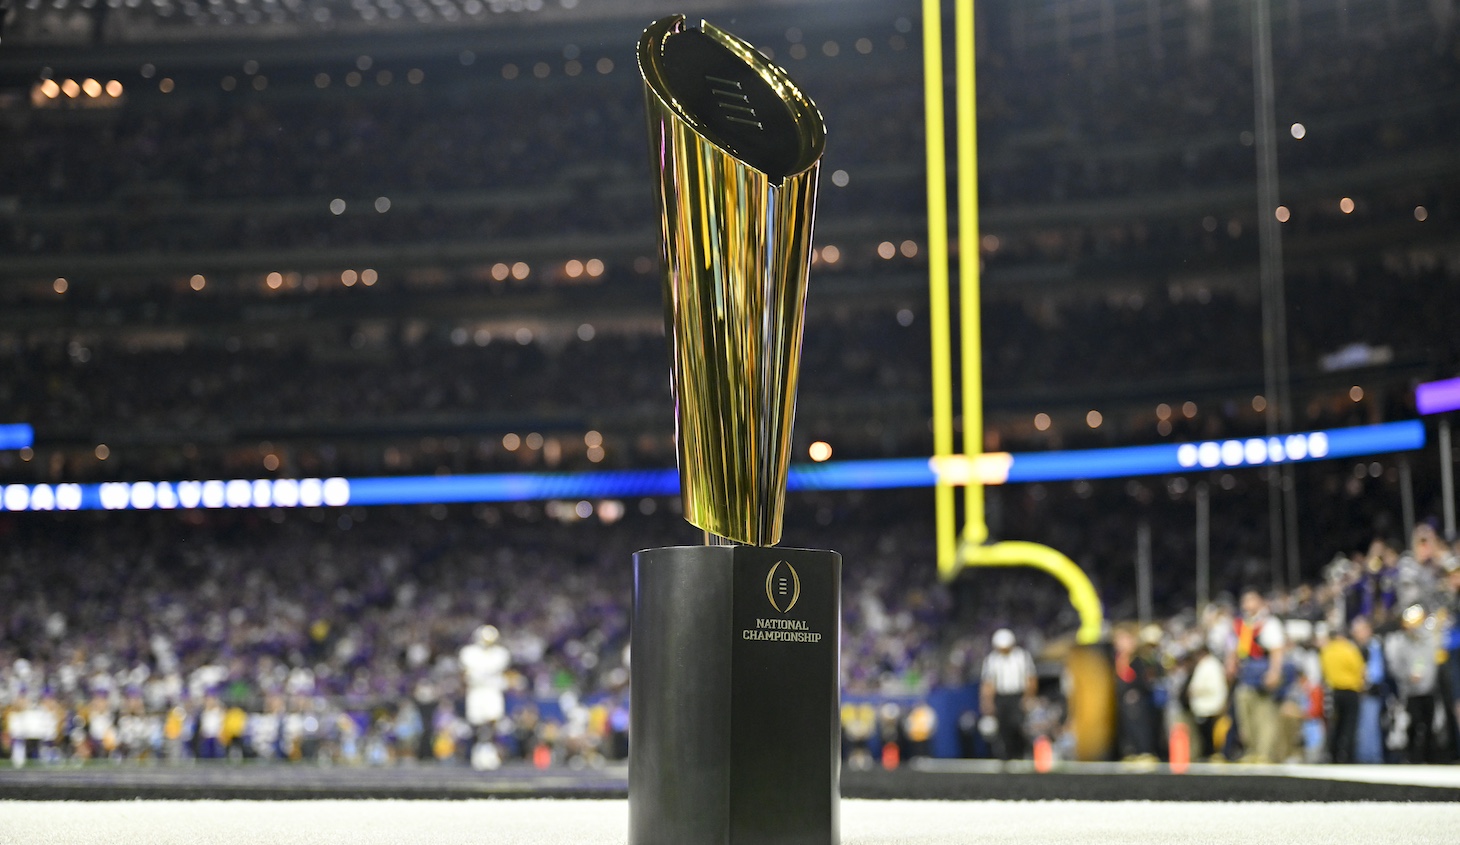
x: 782, y: 586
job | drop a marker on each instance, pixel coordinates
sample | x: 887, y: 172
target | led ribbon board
x: 1187, y: 457
x: 16, y: 436
x: 1437, y: 397
x: 994, y: 468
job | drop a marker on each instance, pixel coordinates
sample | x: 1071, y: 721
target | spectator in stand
x: 101, y: 735
x: 917, y: 730
x: 1205, y: 697
x: 859, y: 726
x: 265, y: 729
x: 1255, y: 664
x: 30, y: 727
x: 1301, y: 708
x: 1369, y: 739
x: 1343, y: 674
x: 1135, y: 679
x: 1375, y: 585
x: 1452, y: 649
x: 138, y: 732
x: 1420, y: 570
x: 210, y: 729
x: 1007, y: 690
x: 1411, y: 652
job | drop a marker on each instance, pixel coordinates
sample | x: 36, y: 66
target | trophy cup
x: 734, y: 732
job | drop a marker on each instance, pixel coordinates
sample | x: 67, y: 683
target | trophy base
x: 734, y: 732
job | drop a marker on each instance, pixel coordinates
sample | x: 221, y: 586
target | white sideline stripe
x: 586, y: 822
x: 1404, y: 775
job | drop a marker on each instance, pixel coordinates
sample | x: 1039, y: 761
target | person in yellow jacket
x: 235, y: 725
x: 1343, y: 673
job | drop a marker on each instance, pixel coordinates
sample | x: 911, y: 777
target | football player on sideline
x: 484, y: 662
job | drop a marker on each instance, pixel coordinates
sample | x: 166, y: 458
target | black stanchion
x: 734, y: 729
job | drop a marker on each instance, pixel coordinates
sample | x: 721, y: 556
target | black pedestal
x: 734, y: 733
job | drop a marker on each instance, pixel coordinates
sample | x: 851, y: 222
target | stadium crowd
x: 1362, y: 667
x: 340, y: 639
x: 336, y: 636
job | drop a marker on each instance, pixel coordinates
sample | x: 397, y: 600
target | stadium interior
x: 286, y: 239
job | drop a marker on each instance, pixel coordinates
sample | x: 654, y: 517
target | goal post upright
x: 939, y: 317
x: 958, y: 548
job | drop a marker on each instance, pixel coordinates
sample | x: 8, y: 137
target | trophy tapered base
x: 734, y: 727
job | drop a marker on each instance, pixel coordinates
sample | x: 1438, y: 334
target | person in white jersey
x: 484, y: 663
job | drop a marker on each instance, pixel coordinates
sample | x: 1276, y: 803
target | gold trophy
x: 736, y: 639
x: 737, y: 148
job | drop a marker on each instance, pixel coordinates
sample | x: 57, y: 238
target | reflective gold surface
x: 735, y: 251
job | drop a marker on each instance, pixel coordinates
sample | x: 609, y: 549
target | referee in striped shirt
x: 1006, y: 691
